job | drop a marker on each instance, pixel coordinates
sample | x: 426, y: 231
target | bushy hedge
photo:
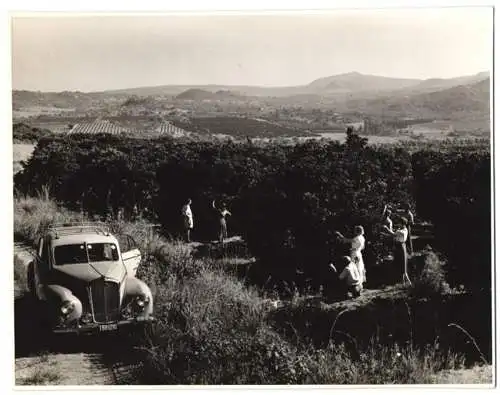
x: 99, y: 174
x: 318, y: 190
x: 22, y: 132
x: 287, y: 200
x: 453, y: 191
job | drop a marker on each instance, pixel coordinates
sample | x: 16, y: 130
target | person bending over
x: 350, y: 277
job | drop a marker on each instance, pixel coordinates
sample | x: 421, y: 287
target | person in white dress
x: 411, y: 221
x: 357, y: 246
x: 187, y: 216
x: 400, y: 254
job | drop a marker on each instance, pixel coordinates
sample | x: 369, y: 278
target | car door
x: 40, y: 268
x: 131, y: 255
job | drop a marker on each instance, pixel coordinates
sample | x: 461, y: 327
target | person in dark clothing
x: 222, y: 214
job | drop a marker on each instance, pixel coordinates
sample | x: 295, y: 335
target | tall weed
x: 431, y: 278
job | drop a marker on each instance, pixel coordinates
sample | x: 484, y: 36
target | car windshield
x: 85, y: 253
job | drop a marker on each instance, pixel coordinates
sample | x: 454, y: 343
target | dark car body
x: 86, y: 280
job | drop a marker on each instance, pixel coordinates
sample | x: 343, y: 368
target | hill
x: 357, y: 82
x: 340, y: 84
x: 435, y: 84
x: 347, y: 92
x: 201, y: 94
x: 456, y: 102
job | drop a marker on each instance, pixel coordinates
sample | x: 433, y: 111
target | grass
x: 476, y: 375
x: 212, y: 329
x: 33, y: 214
x: 42, y: 373
x: 42, y: 376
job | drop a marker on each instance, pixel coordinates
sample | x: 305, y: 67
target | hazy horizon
x: 99, y: 53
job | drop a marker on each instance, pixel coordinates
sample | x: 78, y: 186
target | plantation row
x: 286, y: 201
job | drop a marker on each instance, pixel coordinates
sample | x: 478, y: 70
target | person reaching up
x: 357, y: 245
x: 222, y: 214
x: 400, y: 254
x: 386, y: 217
x: 411, y: 220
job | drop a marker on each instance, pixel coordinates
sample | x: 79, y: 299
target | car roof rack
x: 68, y: 228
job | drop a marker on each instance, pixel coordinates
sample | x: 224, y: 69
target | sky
x: 96, y: 52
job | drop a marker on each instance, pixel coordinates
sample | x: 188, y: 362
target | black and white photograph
x: 274, y: 198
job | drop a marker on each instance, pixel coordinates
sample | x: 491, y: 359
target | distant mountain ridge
x: 200, y: 94
x: 461, y: 101
x: 434, y: 84
x: 353, y: 82
x: 462, y: 97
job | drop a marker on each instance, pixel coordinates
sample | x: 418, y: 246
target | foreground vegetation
x: 212, y: 329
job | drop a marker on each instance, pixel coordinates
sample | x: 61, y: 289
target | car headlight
x: 87, y: 318
x: 67, y: 307
x: 142, y: 300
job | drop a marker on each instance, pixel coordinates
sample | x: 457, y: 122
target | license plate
x: 108, y: 327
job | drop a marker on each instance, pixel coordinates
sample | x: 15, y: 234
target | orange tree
x: 453, y: 191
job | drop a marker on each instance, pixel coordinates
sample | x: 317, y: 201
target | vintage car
x: 85, y: 278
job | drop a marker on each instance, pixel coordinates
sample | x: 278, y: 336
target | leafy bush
x: 25, y: 133
x: 453, y: 191
x: 294, y: 212
x: 431, y: 281
x: 286, y: 201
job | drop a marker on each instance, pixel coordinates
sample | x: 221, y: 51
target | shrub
x: 25, y: 133
x: 294, y: 212
x: 204, y: 326
x: 431, y: 281
x: 286, y: 200
x: 453, y: 191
